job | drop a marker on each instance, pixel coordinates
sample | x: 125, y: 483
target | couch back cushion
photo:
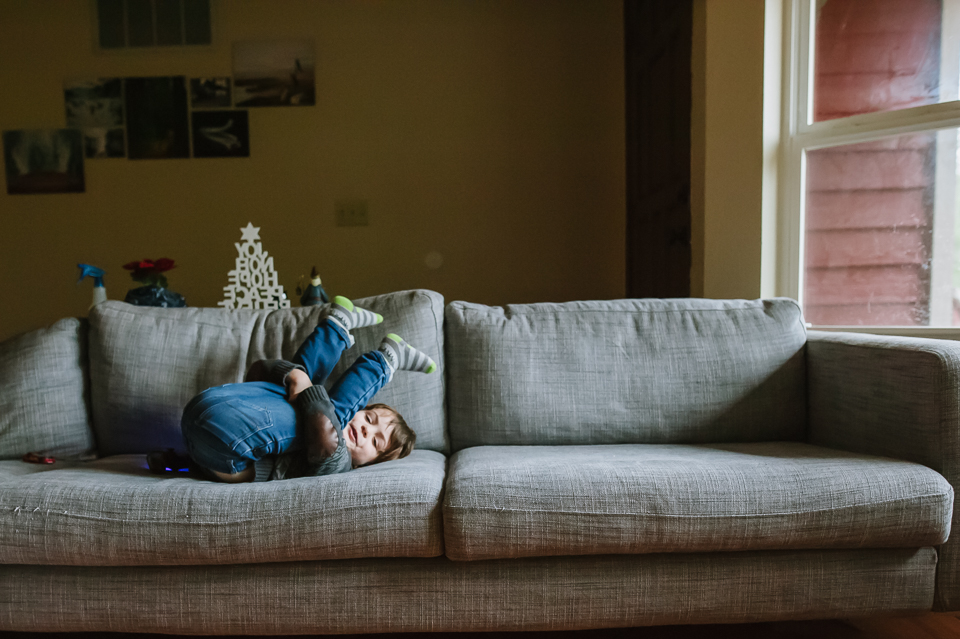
x: 43, y: 398
x: 625, y: 371
x: 147, y: 363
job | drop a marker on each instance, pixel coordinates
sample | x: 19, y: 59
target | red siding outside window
x: 869, y: 206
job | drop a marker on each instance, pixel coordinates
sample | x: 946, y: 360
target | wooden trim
x: 658, y: 40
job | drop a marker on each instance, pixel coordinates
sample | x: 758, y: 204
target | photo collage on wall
x: 159, y: 117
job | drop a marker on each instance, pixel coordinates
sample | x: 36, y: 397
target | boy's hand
x: 296, y: 382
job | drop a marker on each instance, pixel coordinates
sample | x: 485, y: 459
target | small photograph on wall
x: 157, y: 124
x: 209, y: 93
x: 43, y: 161
x: 273, y: 73
x: 95, y: 106
x: 220, y: 134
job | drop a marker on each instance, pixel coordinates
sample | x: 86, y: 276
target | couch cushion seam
x: 694, y: 516
x: 285, y: 514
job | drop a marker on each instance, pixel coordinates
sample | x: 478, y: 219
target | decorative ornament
x: 154, y: 291
x: 254, y: 282
x: 313, y: 294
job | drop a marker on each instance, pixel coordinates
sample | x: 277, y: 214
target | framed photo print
x: 273, y: 74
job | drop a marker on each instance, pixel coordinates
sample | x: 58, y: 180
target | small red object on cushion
x: 38, y: 458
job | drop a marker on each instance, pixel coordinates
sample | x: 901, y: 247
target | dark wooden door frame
x: 658, y: 37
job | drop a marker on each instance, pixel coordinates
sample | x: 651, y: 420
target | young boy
x: 281, y: 423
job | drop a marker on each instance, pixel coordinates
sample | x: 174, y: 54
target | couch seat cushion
x: 522, y: 501
x: 115, y: 512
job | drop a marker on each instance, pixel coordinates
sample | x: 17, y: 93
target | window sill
x: 933, y: 332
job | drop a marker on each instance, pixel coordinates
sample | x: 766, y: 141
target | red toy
x: 38, y: 458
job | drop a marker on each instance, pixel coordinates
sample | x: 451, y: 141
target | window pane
x: 880, y: 233
x: 884, y: 55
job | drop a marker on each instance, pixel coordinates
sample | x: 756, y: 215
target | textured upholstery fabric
x: 43, y: 392
x: 625, y: 371
x: 147, y: 363
x: 893, y: 396
x: 422, y: 595
x: 631, y: 395
x: 523, y: 501
x: 115, y: 512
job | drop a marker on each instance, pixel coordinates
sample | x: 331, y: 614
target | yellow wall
x: 698, y: 123
x: 488, y: 131
x: 727, y: 159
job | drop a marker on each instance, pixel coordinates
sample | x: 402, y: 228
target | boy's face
x: 368, y: 434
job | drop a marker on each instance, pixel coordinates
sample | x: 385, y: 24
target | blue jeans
x: 228, y: 427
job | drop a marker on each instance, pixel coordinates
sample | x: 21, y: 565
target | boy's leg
x: 230, y: 428
x: 357, y: 386
x: 372, y: 371
x: 321, y: 351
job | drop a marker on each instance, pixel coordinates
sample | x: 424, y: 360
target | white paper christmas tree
x: 254, y: 282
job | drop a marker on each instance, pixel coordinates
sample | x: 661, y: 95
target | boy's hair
x: 401, y: 440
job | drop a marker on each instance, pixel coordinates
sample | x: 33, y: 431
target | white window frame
x: 800, y: 134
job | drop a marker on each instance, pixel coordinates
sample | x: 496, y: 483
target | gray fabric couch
x: 579, y: 465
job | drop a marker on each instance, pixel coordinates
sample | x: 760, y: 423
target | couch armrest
x: 897, y: 397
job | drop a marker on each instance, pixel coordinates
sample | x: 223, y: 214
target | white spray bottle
x: 99, y: 291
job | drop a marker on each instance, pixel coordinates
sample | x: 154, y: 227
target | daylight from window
x: 881, y: 219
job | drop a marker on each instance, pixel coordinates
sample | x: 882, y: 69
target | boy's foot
x: 401, y: 356
x: 347, y: 316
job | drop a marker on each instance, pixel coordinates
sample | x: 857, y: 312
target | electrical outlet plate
x: 351, y: 212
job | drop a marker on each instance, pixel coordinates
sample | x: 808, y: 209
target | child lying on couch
x: 281, y: 423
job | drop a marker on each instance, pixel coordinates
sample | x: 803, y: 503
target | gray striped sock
x: 350, y: 316
x: 401, y: 356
